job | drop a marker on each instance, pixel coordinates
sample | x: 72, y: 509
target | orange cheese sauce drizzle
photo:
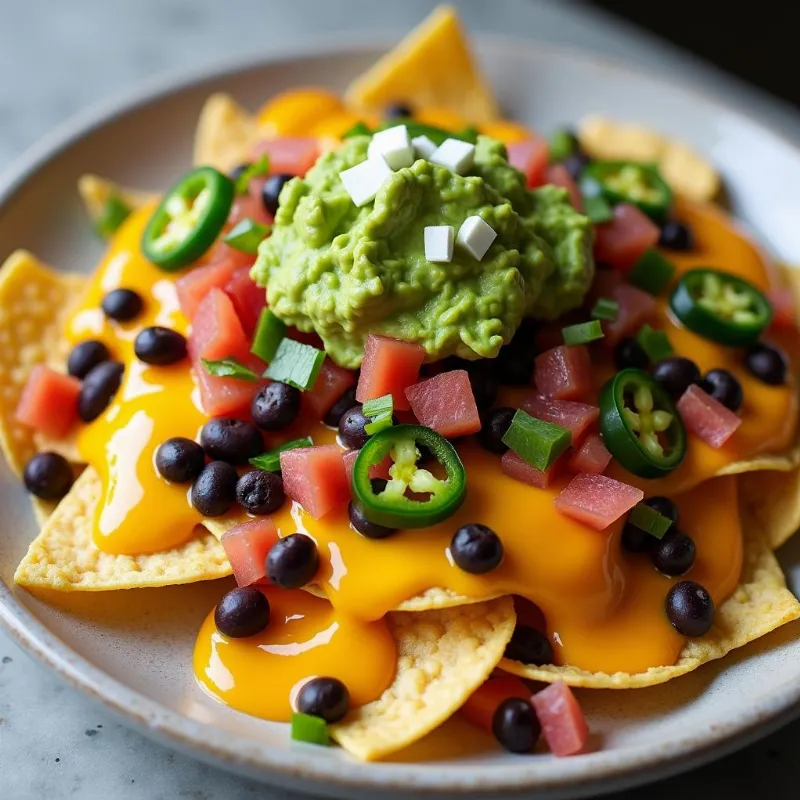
x: 604, y: 607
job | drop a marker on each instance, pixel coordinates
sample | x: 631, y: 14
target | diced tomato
x: 310, y: 338
x: 558, y: 175
x: 606, y: 281
x: 577, y: 417
x: 248, y: 206
x: 520, y: 470
x: 49, y: 402
x: 316, y: 478
x: 217, y: 333
x: 389, y: 367
x: 246, y: 546
x: 591, y: 457
x: 635, y: 308
x: 784, y: 309
x: 706, y: 417
x: 564, y: 372
x: 332, y: 382
x: 446, y: 404
x: 193, y: 287
x: 248, y: 298
x: 350, y: 457
x: 216, y: 329
x: 290, y: 155
x: 563, y: 724
x: 483, y: 702
x: 530, y: 157
x: 224, y: 252
x: 597, y: 501
x: 621, y: 241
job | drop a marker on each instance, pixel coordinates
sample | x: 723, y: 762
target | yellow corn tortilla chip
x: 684, y: 170
x: 225, y: 134
x: 431, y: 67
x: 443, y: 656
x: 63, y: 556
x: 95, y: 192
x: 34, y: 304
x: 772, y: 501
x: 759, y: 604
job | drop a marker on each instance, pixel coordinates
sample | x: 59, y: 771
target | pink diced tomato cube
x: 621, y: 241
x: 591, y: 457
x: 246, y: 546
x: 558, y: 175
x: 597, y: 501
x: 522, y: 471
x: 289, y: 155
x: 563, y: 724
x: 49, y: 402
x: 706, y: 417
x: 564, y: 372
x: 248, y: 298
x: 389, y: 367
x: 530, y: 157
x: 446, y: 403
x: 193, y: 287
x: 316, y: 478
x: 579, y: 418
x: 635, y: 308
x: 332, y: 382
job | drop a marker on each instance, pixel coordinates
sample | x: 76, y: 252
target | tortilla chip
x: 688, y: 173
x: 225, y: 134
x: 95, y: 192
x: 759, y: 604
x: 771, y: 500
x: 443, y: 656
x: 63, y: 556
x: 432, y: 67
x: 34, y: 304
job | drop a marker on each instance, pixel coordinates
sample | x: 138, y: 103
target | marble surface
x: 57, y: 57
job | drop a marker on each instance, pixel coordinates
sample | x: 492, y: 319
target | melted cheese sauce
x: 604, y: 607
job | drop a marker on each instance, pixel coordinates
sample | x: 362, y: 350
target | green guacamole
x: 345, y: 272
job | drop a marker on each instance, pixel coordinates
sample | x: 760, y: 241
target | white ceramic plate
x: 132, y: 650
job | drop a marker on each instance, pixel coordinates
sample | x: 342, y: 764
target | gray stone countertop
x: 58, y: 56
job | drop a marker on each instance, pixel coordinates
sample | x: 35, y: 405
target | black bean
x: 628, y: 354
x: 676, y: 374
x: 364, y: 526
x: 724, y: 387
x: 398, y: 111
x: 99, y: 386
x: 292, y: 562
x: 270, y: 194
x: 48, y: 475
x: 495, y: 426
x: 260, y: 492
x: 276, y: 406
x: 351, y: 428
x: 515, y: 725
x: 242, y: 612
x: 122, y: 305
x: 674, y: 553
x: 690, y: 608
x: 344, y: 403
x: 159, y: 346
x: 214, y: 491
x: 85, y: 356
x: 327, y: 698
x: 676, y: 236
x: 476, y: 549
x: 231, y: 440
x: 180, y: 460
x: 529, y: 646
x: 767, y: 363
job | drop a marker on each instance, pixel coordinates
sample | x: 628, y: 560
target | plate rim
x: 284, y: 766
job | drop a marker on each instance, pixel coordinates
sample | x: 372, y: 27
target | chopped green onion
x: 114, y: 212
x: 583, y: 332
x: 652, y: 272
x: 269, y: 333
x: 597, y: 209
x: 562, y: 145
x: 271, y: 460
x: 296, y: 363
x: 380, y: 411
x: 246, y: 236
x: 229, y: 368
x: 536, y: 442
x: 359, y: 129
x: 309, y: 729
x: 606, y: 308
x: 649, y: 520
x: 655, y: 343
x: 255, y: 170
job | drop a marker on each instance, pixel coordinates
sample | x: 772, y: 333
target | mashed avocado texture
x: 345, y: 272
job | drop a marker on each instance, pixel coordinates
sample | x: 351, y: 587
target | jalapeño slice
x: 641, y: 185
x: 722, y: 307
x: 640, y: 425
x: 390, y: 507
x: 189, y: 219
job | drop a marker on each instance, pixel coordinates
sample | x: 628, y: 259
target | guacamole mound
x: 345, y: 272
